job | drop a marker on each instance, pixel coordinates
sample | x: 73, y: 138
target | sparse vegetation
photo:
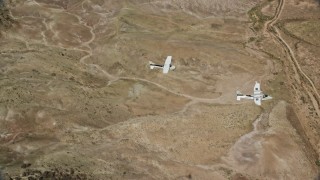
x: 78, y: 97
x: 257, y: 17
x: 305, y: 30
x: 5, y: 18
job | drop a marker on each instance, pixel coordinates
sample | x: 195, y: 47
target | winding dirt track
x: 86, y: 48
x: 112, y: 79
x: 271, y: 29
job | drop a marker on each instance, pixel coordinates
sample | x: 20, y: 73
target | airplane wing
x: 256, y: 89
x: 257, y: 101
x: 167, y: 64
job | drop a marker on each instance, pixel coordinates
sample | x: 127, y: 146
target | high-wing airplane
x: 257, y: 95
x: 165, y: 68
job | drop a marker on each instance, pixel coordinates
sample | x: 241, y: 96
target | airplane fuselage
x: 158, y: 65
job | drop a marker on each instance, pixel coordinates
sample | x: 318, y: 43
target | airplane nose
x: 172, y: 67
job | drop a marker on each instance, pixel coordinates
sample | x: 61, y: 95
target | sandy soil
x: 78, y: 99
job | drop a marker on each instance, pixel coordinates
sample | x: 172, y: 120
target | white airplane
x: 257, y: 95
x: 166, y: 67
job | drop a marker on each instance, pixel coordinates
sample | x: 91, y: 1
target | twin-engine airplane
x: 257, y: 95
x: 165, y: 68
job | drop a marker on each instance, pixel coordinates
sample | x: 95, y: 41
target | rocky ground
x: 78, y: 100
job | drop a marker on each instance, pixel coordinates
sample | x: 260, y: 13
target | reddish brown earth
x: 78, y: 100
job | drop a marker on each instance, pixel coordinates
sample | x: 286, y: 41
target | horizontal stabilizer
x: 239, y: 93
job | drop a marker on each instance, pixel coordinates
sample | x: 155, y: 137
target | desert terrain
x: 79, y: 101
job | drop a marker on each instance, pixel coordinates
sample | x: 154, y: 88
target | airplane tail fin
x: 151, y: 65
x: 239, y: 95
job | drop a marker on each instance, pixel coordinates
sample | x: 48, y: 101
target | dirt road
x: 271, y: 29
x: 78, y: 92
